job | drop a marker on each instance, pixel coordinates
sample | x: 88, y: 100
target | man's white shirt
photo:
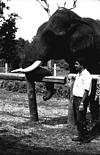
x: 82, y: 82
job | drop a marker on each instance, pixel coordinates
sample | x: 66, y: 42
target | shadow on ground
x: 9, y: 145
x: 56, y: 121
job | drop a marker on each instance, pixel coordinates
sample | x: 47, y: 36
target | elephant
x: 66, y: 36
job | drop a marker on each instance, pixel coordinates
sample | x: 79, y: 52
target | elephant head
x: 67, y: 36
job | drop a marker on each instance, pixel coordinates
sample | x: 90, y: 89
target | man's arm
x: 85, y: 95
x: 81, y: 107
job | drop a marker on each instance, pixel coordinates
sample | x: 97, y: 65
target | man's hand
x: 81, y: 106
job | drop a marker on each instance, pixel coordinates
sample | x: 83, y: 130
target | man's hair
x: 82, y: 61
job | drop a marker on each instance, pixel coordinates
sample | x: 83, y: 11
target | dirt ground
x: 51, y: 135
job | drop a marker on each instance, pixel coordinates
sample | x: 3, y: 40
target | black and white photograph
x: 49, y: 77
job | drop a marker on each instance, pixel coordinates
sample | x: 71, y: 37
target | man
x: 81, y: 91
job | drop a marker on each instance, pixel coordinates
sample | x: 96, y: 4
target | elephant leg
x: 37, y: 75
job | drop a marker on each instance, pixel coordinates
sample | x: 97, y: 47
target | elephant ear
x: 81, y: 38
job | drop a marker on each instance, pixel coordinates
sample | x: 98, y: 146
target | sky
x: 33, y: 15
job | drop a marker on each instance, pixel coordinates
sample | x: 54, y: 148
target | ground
x: 51, y: 135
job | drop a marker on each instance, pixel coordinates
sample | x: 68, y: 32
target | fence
x: 31, y: 87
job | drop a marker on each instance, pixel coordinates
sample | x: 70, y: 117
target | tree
x: 3, y: 7
x: 45, y: 5
x: 7, y: 34
x: 21, y: 47
x: 7, y: 39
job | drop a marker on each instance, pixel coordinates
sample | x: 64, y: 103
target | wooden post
x: 54, y: 72
x: 32, y: 100
x: 70, y: 107
x: 50, y: 65
x: 6, y: 67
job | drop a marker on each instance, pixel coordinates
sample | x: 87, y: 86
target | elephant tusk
x: 28, y: 69
x: 16, y: 70
x: 33, y: 66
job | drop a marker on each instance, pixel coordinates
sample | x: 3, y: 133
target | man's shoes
x: 77, y: 138
x: 86, y: 140
x: 48, y: 95
x: 82, y: 140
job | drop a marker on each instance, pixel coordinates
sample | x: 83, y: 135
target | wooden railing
x: 31, y: 87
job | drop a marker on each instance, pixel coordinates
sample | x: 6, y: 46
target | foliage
x: 7, y: 34
x: 62, y: 64
x: 62, y: 91
x: 7, y: 38
x: 3, y: 6
x: 20, y: 51
x: 14, y: 86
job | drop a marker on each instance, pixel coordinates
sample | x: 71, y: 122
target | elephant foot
x: 48, y: 95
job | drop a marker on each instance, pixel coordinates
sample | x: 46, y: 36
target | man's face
x: 78, y: 66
